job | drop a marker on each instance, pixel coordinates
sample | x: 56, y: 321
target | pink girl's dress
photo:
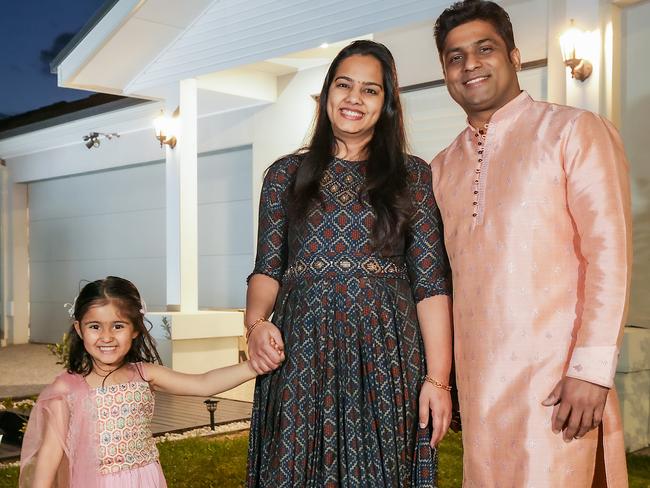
x: 105, y: 434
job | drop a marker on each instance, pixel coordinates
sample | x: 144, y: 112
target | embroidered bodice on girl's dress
x: 124, y: 414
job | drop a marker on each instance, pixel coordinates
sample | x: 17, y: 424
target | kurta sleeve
x: 272, y: 236
x: 599, y: 202
x: 426, y: 259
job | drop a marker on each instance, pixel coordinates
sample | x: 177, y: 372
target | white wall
x: 282, y: 127
x: 635, y: 110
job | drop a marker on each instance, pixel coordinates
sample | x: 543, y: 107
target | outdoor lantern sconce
x: 572, y: 43
x: 211, y: 405
x: 165, y: 127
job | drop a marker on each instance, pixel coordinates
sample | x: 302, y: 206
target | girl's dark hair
x: 386, y: 176
x: 462, y: 12
x: 125, y: 295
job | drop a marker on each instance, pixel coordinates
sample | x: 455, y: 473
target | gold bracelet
x: 251, y: 328
x: 436, y: 383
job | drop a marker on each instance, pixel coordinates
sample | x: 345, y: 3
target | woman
x: 349, y: 241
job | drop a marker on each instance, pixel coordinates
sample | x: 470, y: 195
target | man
x: 535, y: 203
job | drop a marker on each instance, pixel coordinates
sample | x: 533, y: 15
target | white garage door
x: 113, y: 223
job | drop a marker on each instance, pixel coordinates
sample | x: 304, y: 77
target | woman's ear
x: 77, y: 327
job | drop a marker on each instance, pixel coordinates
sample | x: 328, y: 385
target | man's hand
x: 265, y: 348
x: 577, y: 407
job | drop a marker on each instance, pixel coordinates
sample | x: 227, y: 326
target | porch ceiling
x: 143, y: 47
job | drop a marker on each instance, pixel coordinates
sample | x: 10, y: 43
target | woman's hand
x: 265, y: 348
x: 435, y: 402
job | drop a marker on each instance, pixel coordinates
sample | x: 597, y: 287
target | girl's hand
x: 265, y: 348
x: 435, y: 402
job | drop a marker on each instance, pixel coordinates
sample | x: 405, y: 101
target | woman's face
x: 355, y: 98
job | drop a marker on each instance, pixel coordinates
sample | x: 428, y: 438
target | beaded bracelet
x: 251, y: 328
x: 436, y: 383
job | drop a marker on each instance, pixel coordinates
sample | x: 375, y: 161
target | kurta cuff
x: 595, y: 364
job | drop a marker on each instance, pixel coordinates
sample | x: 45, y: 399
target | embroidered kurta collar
x: 515, y: 106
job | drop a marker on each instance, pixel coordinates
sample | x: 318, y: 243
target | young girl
x: 92, y: 426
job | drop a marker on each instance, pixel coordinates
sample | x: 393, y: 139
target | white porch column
x: 182, y: 203
x: 16, y: 313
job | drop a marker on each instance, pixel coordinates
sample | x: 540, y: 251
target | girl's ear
x: 77, y: 327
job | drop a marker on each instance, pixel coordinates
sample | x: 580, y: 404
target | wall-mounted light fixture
x: 573, y: 47
x: 92, y: 139
x: 165, y: 127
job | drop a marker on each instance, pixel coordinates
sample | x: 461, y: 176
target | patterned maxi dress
x: 342, y: 409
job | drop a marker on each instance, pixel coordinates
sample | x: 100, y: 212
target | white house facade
x: 181, y: 222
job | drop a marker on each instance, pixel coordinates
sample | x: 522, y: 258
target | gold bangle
x: 250, y: 328
x: 436, y: 383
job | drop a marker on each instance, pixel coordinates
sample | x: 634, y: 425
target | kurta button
x: 475, y: 192
x: 480, y: 160
x: 475, y: 203
x: 473, y: 215
x: 475, y: 181
x: 480, y: 143
x: 478, y: 170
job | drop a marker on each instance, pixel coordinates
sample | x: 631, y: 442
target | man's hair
x: 468, y: 10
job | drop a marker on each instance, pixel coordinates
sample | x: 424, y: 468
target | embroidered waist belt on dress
x: 326, y: 267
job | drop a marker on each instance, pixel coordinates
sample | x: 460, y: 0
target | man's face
x: 481, y: 74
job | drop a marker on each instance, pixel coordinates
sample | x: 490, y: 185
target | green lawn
x: 221, y: 462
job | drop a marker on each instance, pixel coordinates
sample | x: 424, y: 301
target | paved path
x: 26, y: 369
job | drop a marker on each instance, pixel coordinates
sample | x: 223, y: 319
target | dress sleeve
x: 272, y: 235
x: 49, y: 418
x: 598, y: 199
x: 426, y: 257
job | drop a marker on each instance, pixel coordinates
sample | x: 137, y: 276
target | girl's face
x: 107, y: 335
x: 355, y: 98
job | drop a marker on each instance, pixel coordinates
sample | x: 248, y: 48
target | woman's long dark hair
x: 386, y: 176
x: 125, y: 295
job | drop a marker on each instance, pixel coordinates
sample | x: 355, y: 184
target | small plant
x: 61, y: 351
x: 167, y: 327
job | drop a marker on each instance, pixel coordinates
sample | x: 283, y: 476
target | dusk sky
x: 29, y: 30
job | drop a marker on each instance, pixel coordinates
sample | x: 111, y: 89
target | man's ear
x: 515, y: 59
x: 77, y: 327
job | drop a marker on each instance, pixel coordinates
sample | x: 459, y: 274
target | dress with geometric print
x: 342, y: 410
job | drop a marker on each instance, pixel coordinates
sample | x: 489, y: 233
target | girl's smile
x: 107, y: 335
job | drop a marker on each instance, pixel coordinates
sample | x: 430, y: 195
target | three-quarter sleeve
x: 599, y: 203
x: 272, y: 245
x: 426, y: 258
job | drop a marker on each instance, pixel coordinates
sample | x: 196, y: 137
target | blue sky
x: 27, y: 28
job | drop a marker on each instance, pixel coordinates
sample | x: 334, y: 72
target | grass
x: 221, y: 462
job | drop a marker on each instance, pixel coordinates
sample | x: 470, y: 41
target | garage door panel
x: 141, y: 187
x: 225, y: 176
x: 221, y: 230
x: 58, y: 281
x: 222, y: 279
x: 124, y: 235
x: 113, y: 223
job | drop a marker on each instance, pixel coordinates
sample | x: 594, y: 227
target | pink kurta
x: 536, y: 219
